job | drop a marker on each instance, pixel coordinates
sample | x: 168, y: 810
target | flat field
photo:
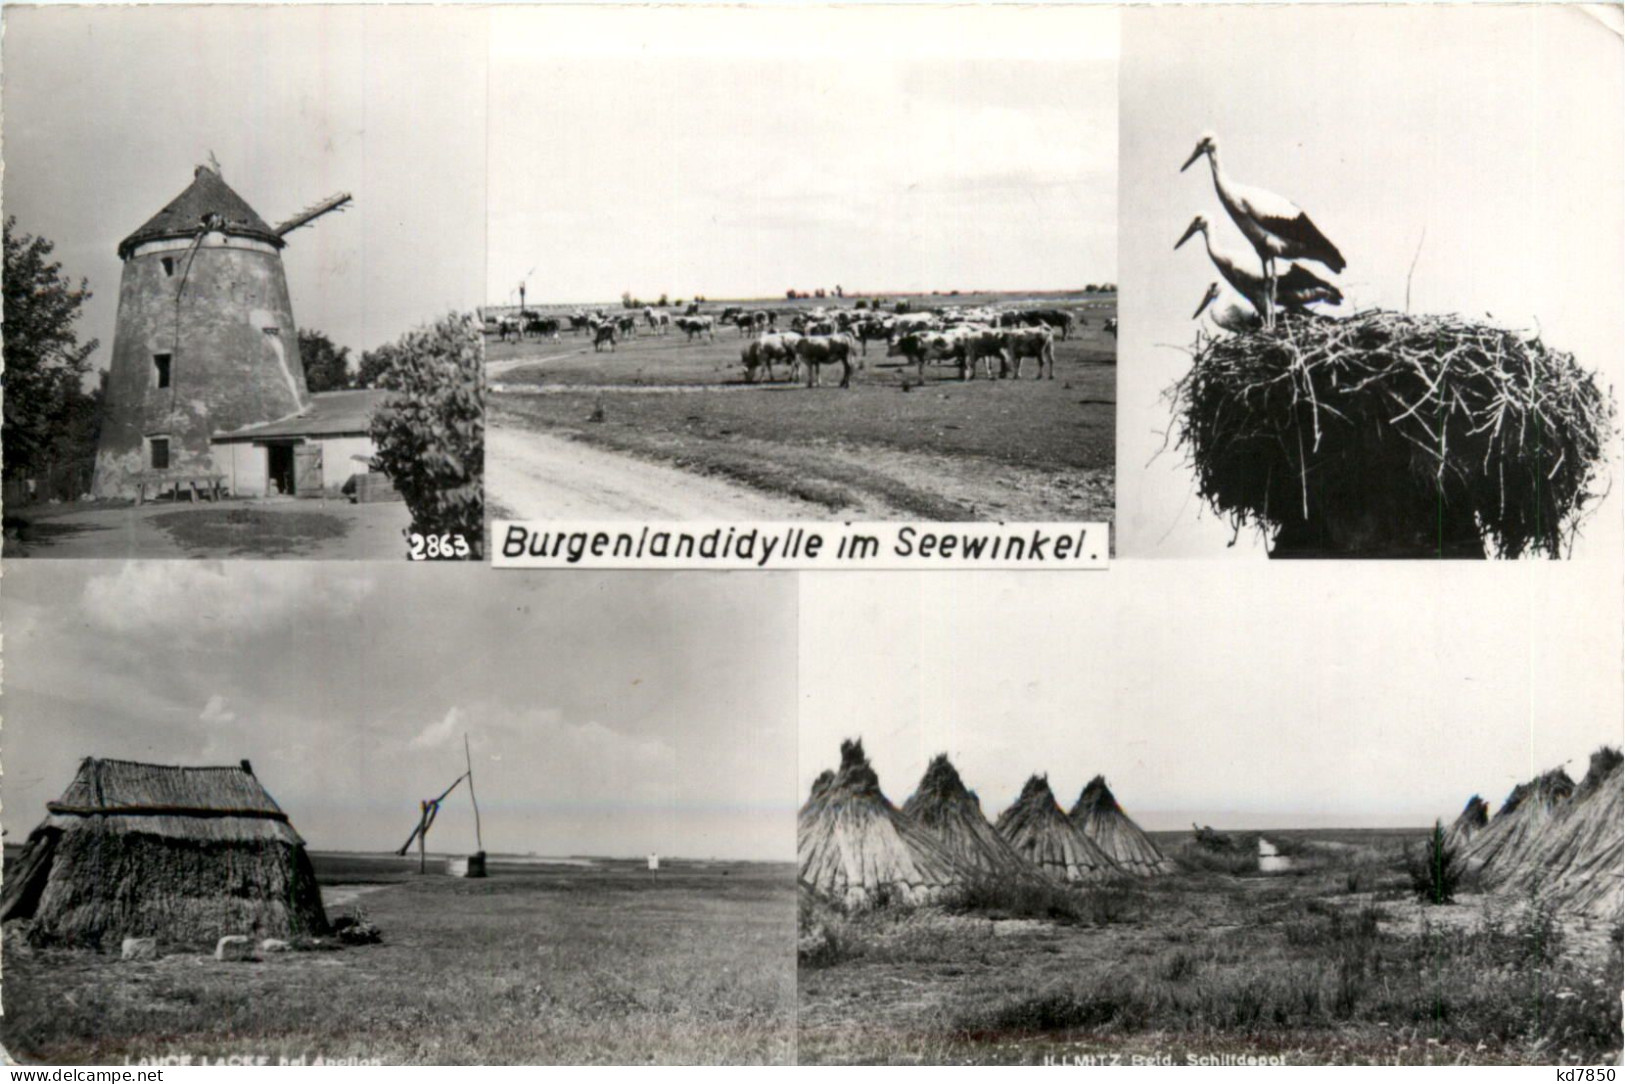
x: 606, y: 962
x: 690, y: 433
x: 1332, y: 961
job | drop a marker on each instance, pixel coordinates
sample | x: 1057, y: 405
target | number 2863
x: 437, y: 547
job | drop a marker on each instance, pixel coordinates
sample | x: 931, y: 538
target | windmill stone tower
x: 205, y: 340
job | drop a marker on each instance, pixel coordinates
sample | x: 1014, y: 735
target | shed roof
x: 330, y: 414
x: 207, y: 195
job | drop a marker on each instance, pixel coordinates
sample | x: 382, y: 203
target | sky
x: 743, y: 152
x: 1485, y: 144
x: 109, y: 109
x: 1260, y: 695
x: 611, y: 714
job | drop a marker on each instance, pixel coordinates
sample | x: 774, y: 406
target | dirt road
x: 532, y: 475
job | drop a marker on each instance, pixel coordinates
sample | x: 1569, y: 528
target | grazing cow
x: 815, y: 352
x: 874, y: 328
x: 659, y: 322
x: 697, y: 325
x: 817, y: 326
x: 693, y: 309
x: 543, y: 327
x: 1053, y: 318
x: 984, y: 344
x: 1111, y: 327
x: 764, y: 351
x: 579, y: 322
x: 627, y: 326
x: 746, y: 326
x: 1031, y: 342
x: 914, y: 321
x: 761, y: 320
x: 605, y: 333
x: 922, y: 346
x: 730, y: 314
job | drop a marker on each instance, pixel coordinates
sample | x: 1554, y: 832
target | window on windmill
x: 160, y: 369
x: 273, y: 331
x: 159, y: 452
x: 169, y: 266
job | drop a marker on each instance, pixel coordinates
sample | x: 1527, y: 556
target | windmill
x: 429, y: 809
x: 205, y: 340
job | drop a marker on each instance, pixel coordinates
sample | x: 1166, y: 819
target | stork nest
x: 1385, y: 423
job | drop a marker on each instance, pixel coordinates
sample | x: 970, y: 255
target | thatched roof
x: 1522, y: 817
x: 1041, y: 833
x: 1548, y: 788
x: 857, y: 849
x: 953, y: 814
x: 1103, y: 820
x: 1389, y: 434
x: 183, y: 854
x: 224, y: 803
x: 1605, y: 763
x: 1571, y: 850
x: 207, y: 197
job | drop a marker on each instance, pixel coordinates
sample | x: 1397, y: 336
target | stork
x: 1276, y: 227
x: 1297, y: 289
x: 1231, y: 316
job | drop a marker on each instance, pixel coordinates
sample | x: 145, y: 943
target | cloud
x: 215, y: 711
x: 437, y: 734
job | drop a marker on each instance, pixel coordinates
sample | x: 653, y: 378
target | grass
x: 249, y: 531
x: 1019, y: 450
x: 1209, y: 963
x: 532, y: 965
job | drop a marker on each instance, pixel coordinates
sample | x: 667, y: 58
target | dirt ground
x: 532, y: 965
x: 681, y: 435
x: 306, y: 530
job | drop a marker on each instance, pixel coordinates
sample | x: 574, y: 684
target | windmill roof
x: 208, y: 195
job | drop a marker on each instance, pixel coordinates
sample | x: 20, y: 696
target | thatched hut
x: 1525, y: 814
x: 1391, y: 435
x: 186, y: 855
x: 856, y: 849
x: 1103, y: 820
x: 1042, y: 834
x: 1473, y: 819
x: 953, y: 814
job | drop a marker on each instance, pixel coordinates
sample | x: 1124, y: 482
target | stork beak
x: 1201, y: 148
x: 1207, y: 299
x: 1192, y: 229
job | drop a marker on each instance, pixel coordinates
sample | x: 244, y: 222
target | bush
x: 430, y: 434
x: 1436, y: 868
x: 1004, y: 898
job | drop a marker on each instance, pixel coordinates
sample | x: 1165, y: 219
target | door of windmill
x: 307, y: 470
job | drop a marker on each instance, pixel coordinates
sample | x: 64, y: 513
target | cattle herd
x: 814, y: 338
